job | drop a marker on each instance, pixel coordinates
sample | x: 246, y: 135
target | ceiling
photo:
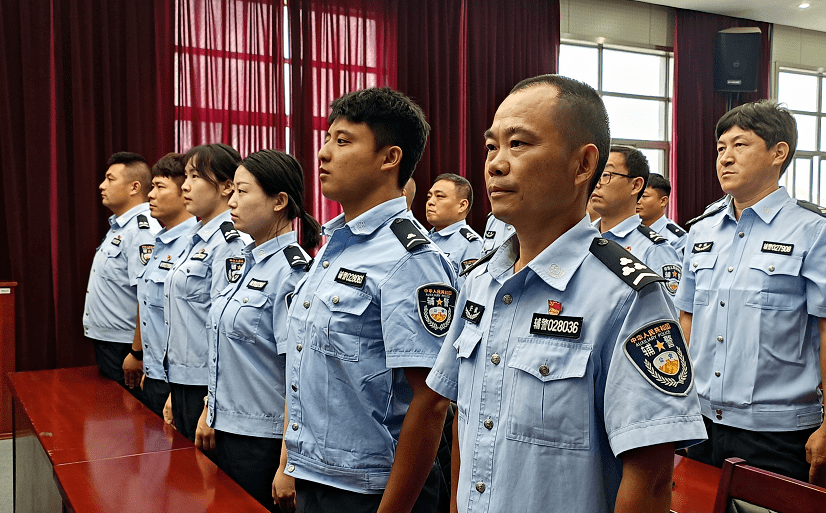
x: 783, y: 12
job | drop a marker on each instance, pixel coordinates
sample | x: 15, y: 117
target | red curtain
x: 81, y: 79
x: 697, y: 107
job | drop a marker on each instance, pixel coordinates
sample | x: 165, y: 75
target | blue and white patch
x: 473, y: 312
x: 659, y: 353
x: 234, y: 265
x: 146, y: 253
x: 672, y: 274
x: 436, y: 305
x: 702, y: 247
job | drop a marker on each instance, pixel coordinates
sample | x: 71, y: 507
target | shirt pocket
x: 551, y: 397
x: 702, y: 265
x: 111, y: 267
x: 776, y: 282
x: 338, y: 324
x: 250, y: 307
x: 465, y: 345
x: 198, y: 283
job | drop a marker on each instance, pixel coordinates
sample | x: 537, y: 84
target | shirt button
x: 720, y: 338
x: 722, y: 303
x: 488, y: 424
x: 507, y: 299
x: 295, y: 426
x: 215, y: 326
x: 144, y: 280
x: 509, y: 227
x: 325, y: 264
x: 306, y: 304
x: 719, y: 417
x: 741, y: 235
x: 144, y: 323
x: 544, y: 370
x: 335, y: 300
x: 295, y: 388
x: 730, y: 269
x: 299, y: 347
x: 166, y: 322
x: 166, y: 295
x: 187, y: 269
x: 717, y: 374
x: 771, y: 268
x: 495, y: 359
x: 480, y: 487
x: 246, y: 300
x: 290, y: 468
x: 695, y: 264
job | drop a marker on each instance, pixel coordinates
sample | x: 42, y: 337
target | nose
x: 185, y: 186
x: 324, y: 153
x: 498, y: 164
x: 725, y: 157
x: 102, y: 185
x: 232, y: 203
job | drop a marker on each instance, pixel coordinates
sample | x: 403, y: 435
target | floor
x: 6, y: 500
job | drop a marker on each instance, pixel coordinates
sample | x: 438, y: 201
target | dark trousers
x: 187, y: 406
x: 109, y: 357
x: 780, y: 452
x: 312, y: 497
x: 155, y: 393
x: 251, y: 462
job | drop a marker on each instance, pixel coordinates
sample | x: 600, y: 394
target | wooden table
x: 695, y: 486
x: 83, y: 443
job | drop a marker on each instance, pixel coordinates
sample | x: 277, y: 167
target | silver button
x: 508, y: 299
x: 187, y: 269
x: 165, y: 322
x: 215, y: 326
x: 299, y: 347
x: 510, y: 227
x: 290, y: 468
x: 730, y: 269
x: 495, y: 359
x: 717, y: 374
x: 720, y: 338
x: 722, y: 303
x: 480, y: 487
x: 246, y: 300
x: 295, y: 388
x: 771, y: 268
x: 335, y: 300
x: 306, y: 304
x: 694, y: 264
x: 325, y: 264
x: 488, y: 424
x: 166, y: 295
x: 741, y: 235
x: 544, y: 370
x: 295, y: 426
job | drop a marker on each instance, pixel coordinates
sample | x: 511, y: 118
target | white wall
x: 793, y: 46
x: 618, y: 21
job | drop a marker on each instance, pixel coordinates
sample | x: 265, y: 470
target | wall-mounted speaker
x: 737, y: 60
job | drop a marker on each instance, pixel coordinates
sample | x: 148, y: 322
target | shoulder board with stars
x: 625, y: 265
x: 653, y: 236
x: 817, y: 209
x: 676, y: 230
x: 711, y: 209
x: 143, y: 222
x: 468, y: 234
x: 407, y: 233
x: 479, y: 262
x: 229, y: 231
x: 295, y: 256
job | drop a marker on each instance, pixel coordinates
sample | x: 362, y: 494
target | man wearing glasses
x: 615, y: 199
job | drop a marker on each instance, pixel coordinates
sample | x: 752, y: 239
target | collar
x: 766, y: 208
x: 121, y: 220
x: 451, y: 229
x: 206, y: 231
x: 168, y: 235
x: 269, y: 248
x: 557, y: 263
x: 370, y: 221
x: 625, y: 227
x: 659, y: 225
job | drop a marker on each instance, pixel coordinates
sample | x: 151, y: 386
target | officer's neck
x: 749, y: 199
x: 132, y: 203
x: 530, y: 241
x: 610, y: 220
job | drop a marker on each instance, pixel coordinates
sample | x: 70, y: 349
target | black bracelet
x: 137, y: 354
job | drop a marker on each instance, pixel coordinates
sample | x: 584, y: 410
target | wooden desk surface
x: 80, y: 416
x: 695, y: 486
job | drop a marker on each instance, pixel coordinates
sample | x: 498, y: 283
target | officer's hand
x: 132, y: 371
x: 143, y: 378
x: 167, y: 412
x: 816, y: 457
x: 204, y: 435
x: 283, y: 491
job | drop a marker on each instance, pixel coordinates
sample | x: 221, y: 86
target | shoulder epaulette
x: 229, y: 231
x: 295, y: 256
x: 676, y: 230
x: 407, y: 233
x: 468, y: 234
x: 622, y: 263
x: 712, y: 209
x: 808, y: 205
x: 490, y: 214
x: 479, y: 262
x: 143, y: 222
x: 653, y: 236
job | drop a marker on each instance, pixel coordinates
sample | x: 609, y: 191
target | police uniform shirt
x: 211, y: 261
x: 248, y: 339
x: 547, y: 395
x: 169, y: 247
x: 111, y: 300
x: 649, y: 246
x: 496, y: 232
x: 675, y: 235
x: 755, y: 288
x: 373, y: 303
x: 460, y: 243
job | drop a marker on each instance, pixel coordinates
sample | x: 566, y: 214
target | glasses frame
x: 610, y: 175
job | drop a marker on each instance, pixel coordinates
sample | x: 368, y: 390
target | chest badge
x: 659, y: 353
x: 116, y: 241
x: 781, y: 248
x: 351, y: 278
x: 554, y: 307
x: 201, y: 255
x: 472, y: 312
x: 234, y: 265
x: 255, y: 284
x: 702, y: 247
x: 556, y: 326
x: 146, y: 253
x: 436, y: 302
x: 166, y: 264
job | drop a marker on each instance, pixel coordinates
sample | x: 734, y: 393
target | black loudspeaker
x: 737, y: 60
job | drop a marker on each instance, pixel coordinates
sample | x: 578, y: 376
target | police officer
x: 111, y: 296
x: 166, y: 204
x: 211, y: 261
x: 244, y: 419
x: 496, y: 232
x: 366, y: 325
x: 754, y: 303
x: 651, y: 208
x: 448, y: 204
x: 615, y: 197
x: 563, y: 404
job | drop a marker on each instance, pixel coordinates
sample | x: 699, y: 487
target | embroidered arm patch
x: 437, y: 305
x: 234, y: 265
x: 658, y: 352
x: 146, y: 253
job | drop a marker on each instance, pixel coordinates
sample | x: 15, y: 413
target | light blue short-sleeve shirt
x: 461, y: 244
x: 496, y: 232
x: 248, y: 337
x: 211, y: 261
x: 547, y: 396
x: 111, y: 295
x: 675, y: 234
x: 373, y: 303
x: 755, y: 288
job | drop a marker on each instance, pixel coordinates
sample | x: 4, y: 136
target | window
x: 804, y: 94
x: 636, y: 86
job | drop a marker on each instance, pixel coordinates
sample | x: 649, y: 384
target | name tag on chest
x: 556, y: 326
x: 351, y: 278
x: 777, y: 247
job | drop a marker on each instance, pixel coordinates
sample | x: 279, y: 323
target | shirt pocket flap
x: 345, y: 299
x: 199, y: 269
x: 549, y: 359
x: 772, y: 264
x: 702, y: 261
x: 250, y: 298
x: 467, y: 341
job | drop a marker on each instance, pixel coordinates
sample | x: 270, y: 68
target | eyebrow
x: 241, y: 183
x: 341, y: 131
x: 509, y: 131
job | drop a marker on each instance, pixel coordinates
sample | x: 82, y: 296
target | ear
x: 663, y: 201
x: 463, y: 206
x: 225, y: 188
x: 281, y: 202
x: 636, y: 185
x: 391, y: 157
x: 587, y: 159
x: 135, y: 188
x: 781, y: 153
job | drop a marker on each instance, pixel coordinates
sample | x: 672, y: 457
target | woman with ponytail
x: 243, y: 419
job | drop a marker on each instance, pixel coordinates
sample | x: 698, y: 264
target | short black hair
x: 136, y: 166
x: 462, y: 186
x: 768, y: 120
x: 170, y: 166
x: 394, y: 119
x: 659, y: 182
x: 636, y: 163
x: 216, y: 162
x: 585, y: 116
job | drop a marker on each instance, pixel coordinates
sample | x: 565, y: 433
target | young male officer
x: 448, y: 204
x: 111, y: 296
x: 365, y: 325
x: 567, y: 363
x: 753, y: 303
x: 166, y: 204
x: 615, y: 197
x: 651, y: 208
